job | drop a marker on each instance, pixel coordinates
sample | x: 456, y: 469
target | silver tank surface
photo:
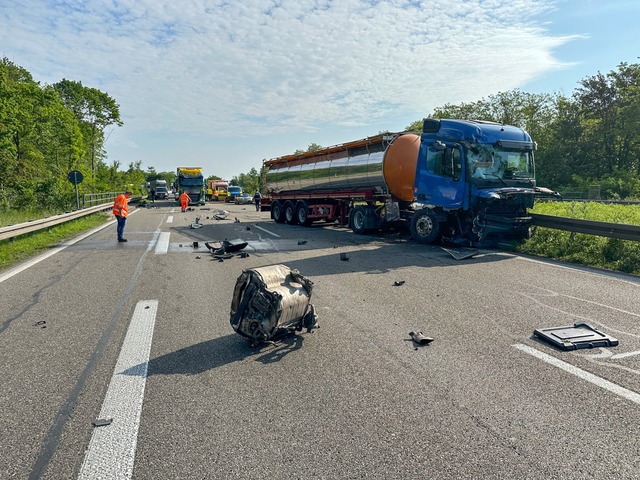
x: 350, y: 170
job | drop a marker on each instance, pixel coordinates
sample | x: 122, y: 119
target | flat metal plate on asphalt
x: 574, y: 337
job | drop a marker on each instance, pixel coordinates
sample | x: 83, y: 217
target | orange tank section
x: 399, y: 166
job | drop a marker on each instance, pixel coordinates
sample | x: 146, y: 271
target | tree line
x: 589, y: 137
x: 47, y: 131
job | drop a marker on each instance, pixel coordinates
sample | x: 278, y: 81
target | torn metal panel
x: 270, y: 301
x: 461, y: 253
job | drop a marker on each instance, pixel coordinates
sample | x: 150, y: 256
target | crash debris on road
x: 269, y: 302
x: 420, y: 338
x: 580, y: 335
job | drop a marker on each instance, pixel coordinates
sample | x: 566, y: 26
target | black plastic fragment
x: 344, y: 257
x: 102, y: 422
x: 580, y: 335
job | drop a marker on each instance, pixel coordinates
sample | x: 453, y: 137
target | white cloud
x: 226, y: 68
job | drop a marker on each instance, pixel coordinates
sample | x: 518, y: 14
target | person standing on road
x: 153, y: 195
x: 184, y: 201
x: 256, y: 199
x: 121, y: 211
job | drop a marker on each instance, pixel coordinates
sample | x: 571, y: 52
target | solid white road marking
x: 267, y: 231
x: 112, y: 448
x: 170, y: 219
x: 578, y: 372
x: 163, y: 243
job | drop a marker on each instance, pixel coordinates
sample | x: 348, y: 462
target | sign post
x: 75, y: 177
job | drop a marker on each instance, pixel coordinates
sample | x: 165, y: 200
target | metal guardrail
x: 91, y: 199
x: 28, y: 227
x: 590, y: 227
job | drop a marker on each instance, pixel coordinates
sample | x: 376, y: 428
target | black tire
x: 302, y: 214
x: 277, y: 212
x: 425, y: 228
x: 290, y: 213
x: 358, y: 216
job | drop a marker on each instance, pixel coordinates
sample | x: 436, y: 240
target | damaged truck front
x: 462, y: 182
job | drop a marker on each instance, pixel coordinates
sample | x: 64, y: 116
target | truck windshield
x: 192, y: 182
x: 490, y: 162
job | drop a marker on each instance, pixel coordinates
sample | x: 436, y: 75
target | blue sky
x: 224, y: 84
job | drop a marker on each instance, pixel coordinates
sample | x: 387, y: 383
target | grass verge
x: 13, y: 251
x: 591, y: 250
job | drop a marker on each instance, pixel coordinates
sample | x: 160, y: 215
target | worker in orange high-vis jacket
x: 184, y: 201
x: 121, y: 210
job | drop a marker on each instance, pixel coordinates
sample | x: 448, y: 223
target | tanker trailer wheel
x: 358, y: 217
x: 302, y: 214
x: 290, y: 213
x: 277, y: 212
x: 425, y: 228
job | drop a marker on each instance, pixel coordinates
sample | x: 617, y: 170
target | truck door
x: 439, y: 179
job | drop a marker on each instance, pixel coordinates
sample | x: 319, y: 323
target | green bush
x: 602, y: 252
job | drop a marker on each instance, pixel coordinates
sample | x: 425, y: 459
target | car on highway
x: 232, y: 193
x: 243, y: 199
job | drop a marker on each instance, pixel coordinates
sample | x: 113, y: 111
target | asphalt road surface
x: 117, y: 360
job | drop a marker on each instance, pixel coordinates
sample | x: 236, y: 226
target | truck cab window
x: 446, y: 163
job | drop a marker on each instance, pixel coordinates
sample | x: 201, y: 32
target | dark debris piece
x: 102, y: 422
x: 344, y: 257
x: 397, y: 283
x: 420, y: 338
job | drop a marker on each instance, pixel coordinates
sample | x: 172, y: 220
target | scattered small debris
x: 195, y: 244
x: 344, y: 257
x: 41, y: 324
x: 397, y: 283
x: 243, y: 254
x: 102, y: 422
x: 420, y: 338
x: 302, y: 242
x: 221, y: 215
x: 198, y: 257
x: 248, y: 228
x: 181, y: 245
x: 461, y: 253
x: 236, y: 220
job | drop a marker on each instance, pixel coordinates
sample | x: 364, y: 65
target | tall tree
x: 94, y: 109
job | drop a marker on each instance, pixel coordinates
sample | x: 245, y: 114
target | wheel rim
x: 358, y: 220
x: 424, y: 226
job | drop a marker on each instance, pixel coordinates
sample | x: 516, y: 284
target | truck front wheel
x: 358, y: 220
x: 425, y: 228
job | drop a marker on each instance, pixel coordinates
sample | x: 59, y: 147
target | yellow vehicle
x: 216, y: 190
x: 222, y: 194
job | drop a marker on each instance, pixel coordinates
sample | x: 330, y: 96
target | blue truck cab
x: 474, y: 182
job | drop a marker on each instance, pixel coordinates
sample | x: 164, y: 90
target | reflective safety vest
x: 184, y: 198
x: 120, y: 206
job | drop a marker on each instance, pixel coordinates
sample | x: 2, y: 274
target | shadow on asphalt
x: 215, y: 353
